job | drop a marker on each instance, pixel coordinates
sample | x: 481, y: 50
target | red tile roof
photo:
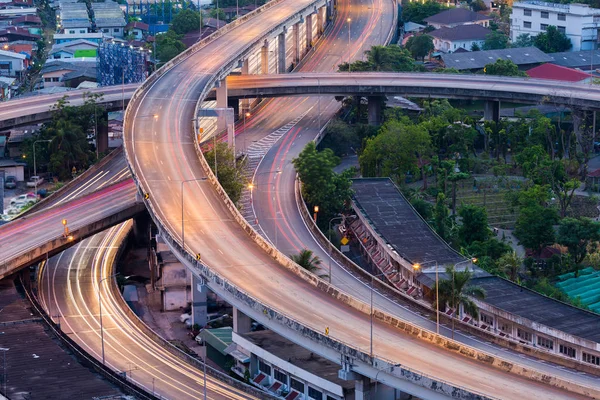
x: 557, y: 73
x: 138, y: 25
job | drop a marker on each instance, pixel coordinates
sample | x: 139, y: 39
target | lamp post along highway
x: 331, y: 244
x: 316, y: 211
x: 35, y: 165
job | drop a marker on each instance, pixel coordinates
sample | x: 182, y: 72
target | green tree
x: 389, y: 58
x: 218, y: 13
x: 307, y: 260
x: 478, y: 5
x: 168, y: 45
x: 420, y: 46
x: 474, y: 224
x: 509, y: 264
x: 579, y: 236
x: 495, y: 40
x: 441, y: 217
x: 424, y: 208
x: 417, y: 12
x: 455, y: 291
x: 229, y: 171
x: 186, y: 21
x: 523, y: 40
x: 503, y: 68
x: 552, y: 41
x: 321, y: 186
x: 534, y: 227
x: 475, y: 47
x: 455, y: 177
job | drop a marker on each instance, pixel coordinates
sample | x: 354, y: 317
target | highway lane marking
x: 219, y: 250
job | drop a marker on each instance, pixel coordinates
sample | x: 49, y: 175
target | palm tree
x: 455, y: 292
x: 307, y: 260
x: 377, y: 57
x: 510, y: 263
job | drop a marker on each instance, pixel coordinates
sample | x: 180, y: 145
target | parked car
x: 35, y: 181
x: 23, y: 200
x: 10, y: 182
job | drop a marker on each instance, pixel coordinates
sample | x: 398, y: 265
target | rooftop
x: 557, y: 73
x: 479, y: 59
x: 138, y: 25
x: 298, y: 356
x: 463, y: 32
x: 214, y: 23
x: 456, y: 16
x: 573, y: 8
x: 576, y: 59
x: 518, y: 300
x: 395, y: 220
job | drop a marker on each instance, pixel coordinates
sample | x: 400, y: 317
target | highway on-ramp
x: 162, y: 155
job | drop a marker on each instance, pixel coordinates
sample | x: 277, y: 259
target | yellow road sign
x: 327, y: 330
x: 146, y: 196
x: 198, y: 257
x: 344, y: 241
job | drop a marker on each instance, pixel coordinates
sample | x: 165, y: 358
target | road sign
x: 198, y: 257
x: 327, y: 330
x: 146, y: 196
x: 344, y: 241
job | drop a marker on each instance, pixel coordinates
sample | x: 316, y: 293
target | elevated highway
x: 448, y: 86
x: 253, y: 276
x: 39, y: 235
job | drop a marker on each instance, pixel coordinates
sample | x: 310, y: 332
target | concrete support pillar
x: 374, y: 109
x: 241, y: 322
x: 141, y: 229
x: 281, y: 69
x: 264, y: 58
x: 199, y: 304
x: 491, y: 111
x: 103, y: 132
x: 222, y: 102
x: 320, y: 21
x: 330, y: 10
x: 244, y: 104
x: 362, y: 388
x: 309, y: 32
x: 296, y: 34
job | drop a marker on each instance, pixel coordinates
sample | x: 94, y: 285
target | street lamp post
x: 331, y: 244
x: 416, y: 267
x: 35, y: 165
x: 182, y: 215
x: 316, y: 211
x: 349, y: 52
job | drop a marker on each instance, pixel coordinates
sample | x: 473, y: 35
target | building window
x: 544, y: 342
x: 527, y: 12
x: 504, y: 327
x: 561, y: 17
x: 116, y: 30
x: 330, y: 398
x: 522, y: 334
x: 82, y: 31
x: 561, y: 29
x: 47, y: 79
x: 487, y: 319
x: 543, y: 26
x: 567, y: 350
x: 526, y: 24
x: 71, y: 31
x: 314, y: 393
x: 590, y: 358
x: 55, y: 79
x: 545, y: 14
x: 297, y: 385
x: 105, y: 30
x: 264, y: 367
x: 281, y: 377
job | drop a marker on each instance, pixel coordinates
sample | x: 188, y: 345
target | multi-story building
x: 579, y: 22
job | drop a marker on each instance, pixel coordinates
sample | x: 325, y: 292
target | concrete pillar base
x: 244, y: 104
x: 362, y: 388
x: 102, y: 132
x: 241, y: 322
x: 296, y: 34
x: 141, y: 229
x: 491, y: 111
x: 281, y: 53
x: 199, y: 304
x: 374, y: 109
x: 309, y: 32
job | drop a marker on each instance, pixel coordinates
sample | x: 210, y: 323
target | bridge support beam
x: 102, y: 135
x: 222, y: 102
x: 309, y: 32
x: 199, y: 303
x: 320, y: 20
x: 491, y: 110
x: 264, y: 58
x: 141, y: 229
x: 374, y: 109
x: 244, y: 104
x: 281, y: 53
x: 296, y: 34
x: 362, y: 388
x: 241, y: 322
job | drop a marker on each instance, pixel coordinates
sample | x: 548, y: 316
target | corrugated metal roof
x: 479, y: 59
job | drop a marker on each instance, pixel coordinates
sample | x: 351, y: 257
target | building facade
x: 579, y: 22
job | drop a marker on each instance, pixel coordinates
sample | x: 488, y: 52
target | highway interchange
x: 162, y: 154
x: 224, y: 245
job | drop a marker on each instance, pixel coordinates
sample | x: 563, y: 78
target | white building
x: 579, y: 22
x: 12, y: 64
x: 448, y: 40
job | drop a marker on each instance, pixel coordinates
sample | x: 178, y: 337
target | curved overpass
x: 162, y: 155
x: 456, y: 86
